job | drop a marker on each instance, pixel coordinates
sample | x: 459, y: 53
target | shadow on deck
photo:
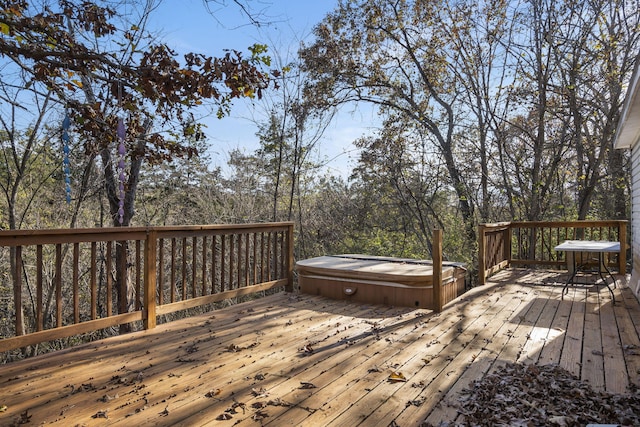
x: 291, y: 359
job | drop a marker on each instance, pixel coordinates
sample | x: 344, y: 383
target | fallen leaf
x: 3, y: 408
x: 235, y: 405
x: 259, y: 415
x: 416, y: 402
x: 259, y: 392
x: 224, y: 416
x: 278, y: 402
x: 100, y: 414
x: 560, y: 420
x: 107, y: 398
x: 234, y: 348
x: 213, y: 393
x: 397, y: 377
x: 305, y: 385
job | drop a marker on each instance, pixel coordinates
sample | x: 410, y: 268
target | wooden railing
x: 70, y: 282
x: 532, y: 243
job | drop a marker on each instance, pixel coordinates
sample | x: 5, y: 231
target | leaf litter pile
x: 530, y: 395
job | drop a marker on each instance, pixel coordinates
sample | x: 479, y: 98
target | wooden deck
x: 294, y: 359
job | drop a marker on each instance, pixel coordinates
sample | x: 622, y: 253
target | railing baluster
x: 231, y: 254
x: 255, y: 258
x: 262, y: 256
x: 160, y: 271
x: 204, y: 265
x: 138, y: 264
x: 58, y: 285
x: 76, y: 285
x: 269, y: 256
x: 173, y: 270
x: 246, y: 259
x: 194, y: 266
x: 184, y: 268
x: 39, y: 290
x: 213, y: 264
x: 151, y: 282
x: 121, y: 256
x: 223, y: 262
x: 109, y: 280
x: 17, y: 292
x: 239, y: 266
x: 94, y: 281
x: 282, y: 257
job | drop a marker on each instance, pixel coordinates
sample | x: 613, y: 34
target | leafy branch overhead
x: 69, y: 48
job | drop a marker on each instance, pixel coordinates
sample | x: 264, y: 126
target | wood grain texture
x: 293, y: 359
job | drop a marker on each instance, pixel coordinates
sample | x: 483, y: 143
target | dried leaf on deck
x: 278, y: 402
x: 305, y: 385
x: 235, y: 405
x: 397, y: 377
x: 224, y: 416
x: 100, y: 414
x: 234, y: 348
x: 3, y: 408
x: 259, y: 415
x: 260, y: 392
x: 107, y: 398
x: 213, y: 393
x: 307, y: 349
x: 416, y: 402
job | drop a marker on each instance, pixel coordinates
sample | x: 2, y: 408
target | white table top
x: 588, y: 246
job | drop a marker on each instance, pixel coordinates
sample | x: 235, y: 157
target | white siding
x: 635, y: 219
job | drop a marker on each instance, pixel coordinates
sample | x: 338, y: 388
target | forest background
x: 488, y: 111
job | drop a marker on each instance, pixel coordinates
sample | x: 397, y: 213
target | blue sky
x: 186, y: 26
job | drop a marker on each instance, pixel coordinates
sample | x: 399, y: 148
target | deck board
x: 291, y: 359
x: 592, y: 363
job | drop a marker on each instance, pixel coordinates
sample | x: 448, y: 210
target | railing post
x: 290, y: 260
x: 508, y: 250
x: 481, y: 255
x: 437, y: 270
x: 622, y: 256
x: 150, y: 257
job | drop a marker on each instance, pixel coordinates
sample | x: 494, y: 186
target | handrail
x: 532, y: 243
x: 70, y: 282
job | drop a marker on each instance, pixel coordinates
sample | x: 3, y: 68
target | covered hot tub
x: 379, y: 280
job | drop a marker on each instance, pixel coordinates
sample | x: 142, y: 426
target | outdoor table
x: 595, y: 246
